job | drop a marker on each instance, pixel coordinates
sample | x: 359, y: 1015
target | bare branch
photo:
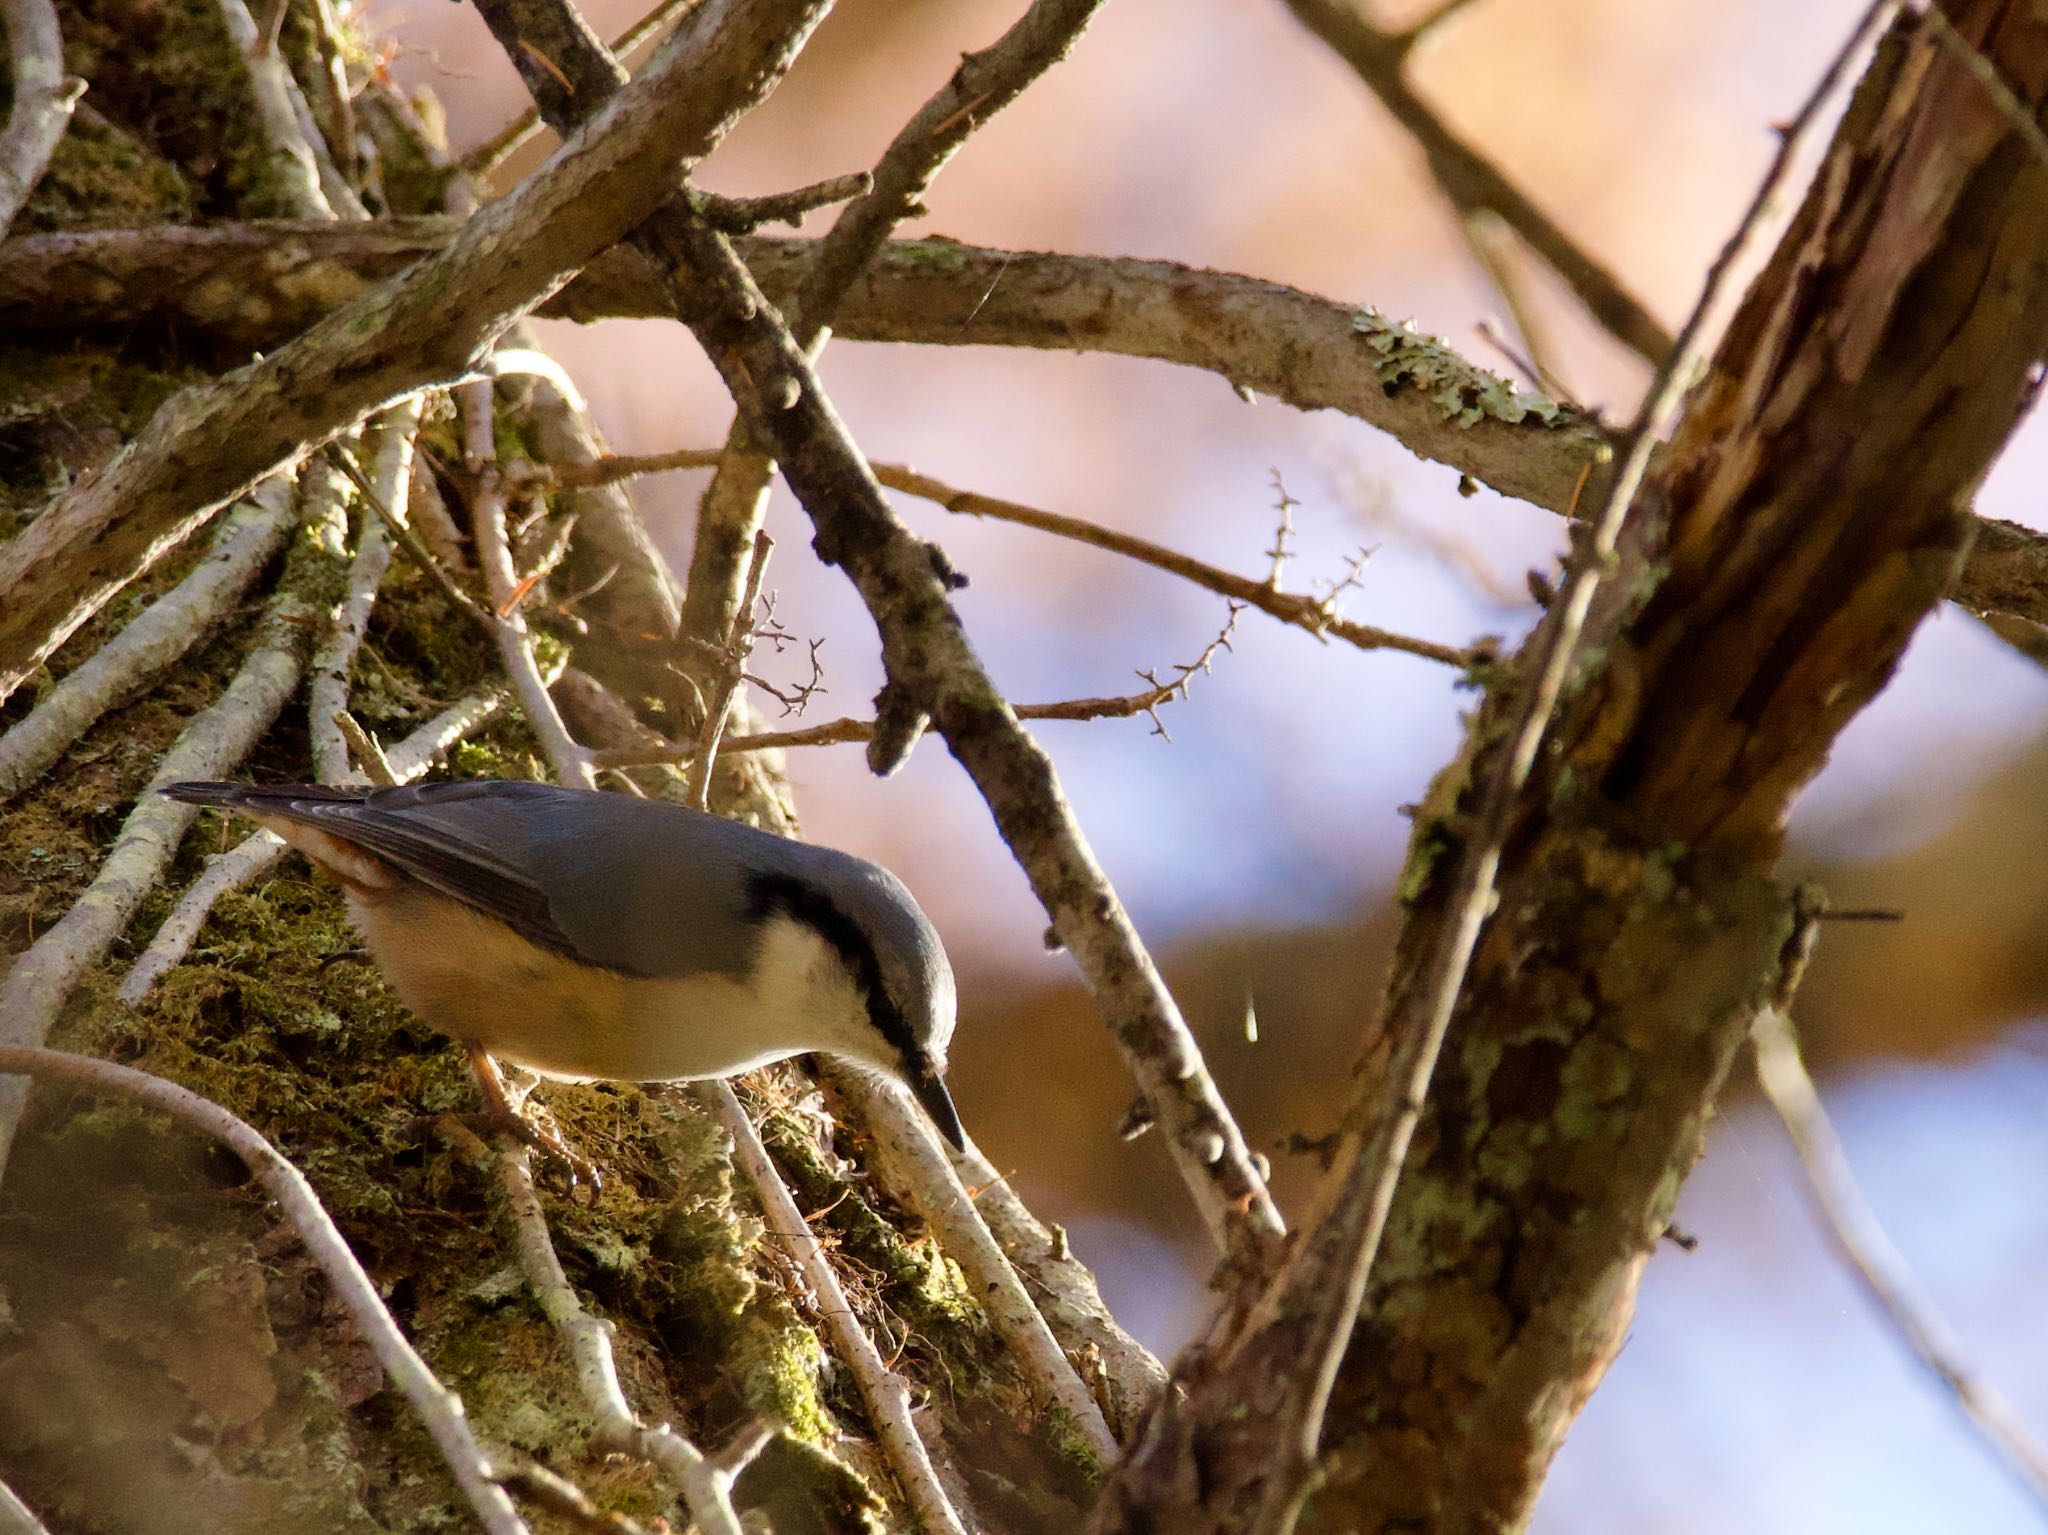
x: 1316, y: 615
x: 506, y: 624
x: 744, y: 215
x: 917, y: 1166
x: 882, y: 1391
x: 706, y: 1486
x: 327, y: 689
x: 734, y: 503
x: 43, y: 98
x: 846, y: 732
x: 488, y: 156
x: 439, y: 1408
x: 1469, y: 179
x: 1861, y: 1242
x: 207, y: 444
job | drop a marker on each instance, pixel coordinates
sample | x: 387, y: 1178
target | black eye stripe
x: 768, y: 894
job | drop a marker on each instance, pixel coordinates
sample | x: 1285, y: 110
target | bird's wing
x: 634, y: 885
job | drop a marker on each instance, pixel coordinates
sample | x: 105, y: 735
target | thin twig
x: 705, y: 1484
x: 328, y: 683
x: 882, y: 1391
x: 1424, y: 27
x: 1862, y: 1243
x: 1491, y: 242
x: 406, y: 539
x: 1370, y: 1164
x: 734, y: 503
x: 439, y: 1408
x: 1471, y: 181
x: 43, y: 98
x: 845, y: 732
x: 494, y: 151
x: 232, y: 870
x: 365, y: 752
x: 148, y: 643
x: 916, y: 1165
x: 566, y: 1501
x: 744, y: 215
x: 16, y: 1517
x: 738, y: 646
x: 515, y: 643
x: 1316, y: 615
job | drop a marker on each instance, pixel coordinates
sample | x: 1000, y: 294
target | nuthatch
x: 585, y: 935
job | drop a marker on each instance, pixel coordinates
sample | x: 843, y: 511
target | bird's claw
x: 538, y: 1132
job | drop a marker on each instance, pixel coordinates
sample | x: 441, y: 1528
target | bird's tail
x: 273, y: 799
x: 285, y: 809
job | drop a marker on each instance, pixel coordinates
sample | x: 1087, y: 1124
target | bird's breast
x: 476, y: 979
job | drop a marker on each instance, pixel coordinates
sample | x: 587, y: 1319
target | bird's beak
x: 929, y: 1089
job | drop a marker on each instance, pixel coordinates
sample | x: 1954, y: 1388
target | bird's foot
x: 531, y: 1125
x: 535, y: 1128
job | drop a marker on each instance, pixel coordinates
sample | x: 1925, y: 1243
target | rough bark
x: 1807, y: 516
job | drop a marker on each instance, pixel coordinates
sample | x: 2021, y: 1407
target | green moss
x: 103, y: 177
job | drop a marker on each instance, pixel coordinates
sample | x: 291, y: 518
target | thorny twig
x: 738, y: 646
x: 735, y: 501
x: 1317, y: 615
x: 843, y: 732
x: 439, y: 1409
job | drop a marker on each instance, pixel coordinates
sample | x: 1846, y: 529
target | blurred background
x: 1758, y: 1392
